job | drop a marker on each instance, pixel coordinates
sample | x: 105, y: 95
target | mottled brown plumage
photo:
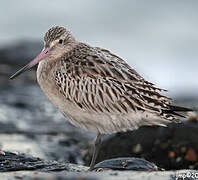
x: 98, y: 91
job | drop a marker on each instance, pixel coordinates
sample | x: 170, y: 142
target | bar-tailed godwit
x: 96, y: 90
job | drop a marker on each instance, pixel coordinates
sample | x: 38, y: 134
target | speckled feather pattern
x: 105, y: 93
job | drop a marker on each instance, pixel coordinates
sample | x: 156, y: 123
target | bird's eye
x: 60, y: 41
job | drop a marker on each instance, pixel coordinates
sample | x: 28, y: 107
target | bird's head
x: 57, y: 42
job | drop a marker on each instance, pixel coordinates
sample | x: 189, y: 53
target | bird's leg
x: 97, y: 145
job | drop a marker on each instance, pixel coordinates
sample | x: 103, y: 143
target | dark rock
x: 18, y: 162
x: 169, y: 148
x: 136, y: 164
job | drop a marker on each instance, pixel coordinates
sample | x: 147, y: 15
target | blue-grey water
x: 158, y: 38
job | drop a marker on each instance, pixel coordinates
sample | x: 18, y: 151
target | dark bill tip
x: 43, y: 54
x: 25, y: 68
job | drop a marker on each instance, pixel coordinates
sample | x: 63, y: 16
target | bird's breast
x: 45, y: 78
x: 47, y: 82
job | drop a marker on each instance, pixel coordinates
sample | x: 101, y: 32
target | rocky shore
x: 38, y: 143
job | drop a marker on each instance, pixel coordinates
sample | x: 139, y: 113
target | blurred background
x: 157, y: 38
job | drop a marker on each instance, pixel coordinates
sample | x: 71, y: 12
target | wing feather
x: 100, y: 82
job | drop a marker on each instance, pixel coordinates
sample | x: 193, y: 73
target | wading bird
x: 96, y: 90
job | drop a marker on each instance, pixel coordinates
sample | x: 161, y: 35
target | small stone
x: 137, y: 148
x: 171, y: 154
x: 178, y: 159
x: 124, y: 164
x: 191, y: 155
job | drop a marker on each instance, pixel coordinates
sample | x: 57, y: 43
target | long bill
x: 44, y: 53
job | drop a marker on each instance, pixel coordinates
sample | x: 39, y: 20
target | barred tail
x: 174, y: 109
x: 179, y: 108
